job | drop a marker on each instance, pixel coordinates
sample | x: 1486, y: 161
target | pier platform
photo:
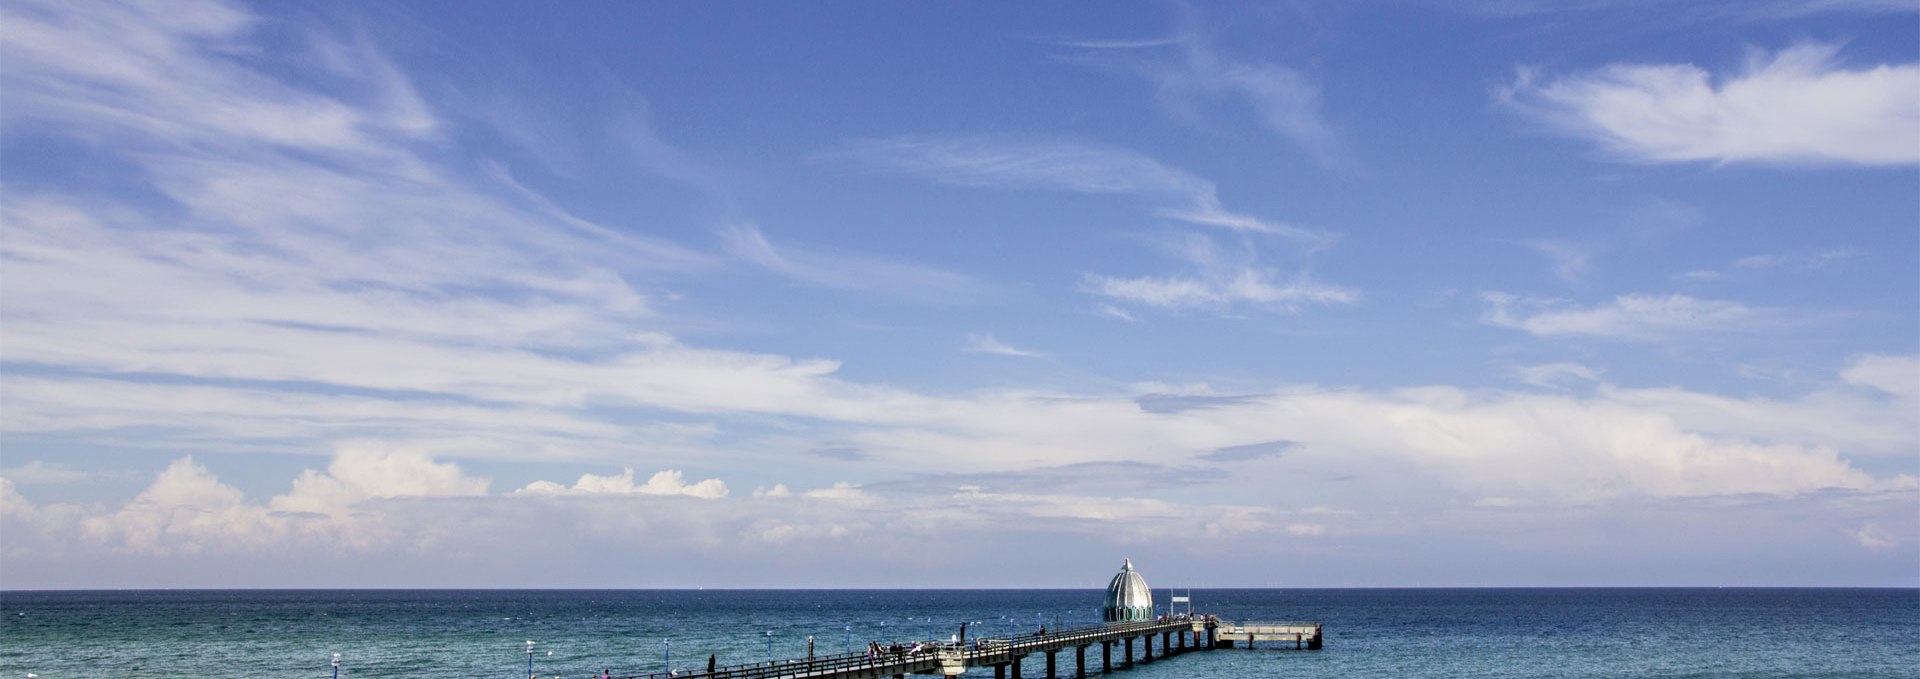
x: 1304, y: 636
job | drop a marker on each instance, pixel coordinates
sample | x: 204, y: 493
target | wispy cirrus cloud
x: 1218, y: 279
x: 1250, y: 451
x: 1215, y: 280
x: 1242, y: 286
x: 1800, y: 105
x: 849, y: 271
x: 986, y: 343
x: 1572, y: 260
x: 1555, y: 375
x: 1281, y: 99
x: 1630, y: 317
x: 1717, y: 11
x: 1005, y: 162
x: 1638, y: 225
x: 1829, y: 259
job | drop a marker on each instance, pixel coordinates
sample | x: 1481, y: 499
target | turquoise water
x: 1369, y: 632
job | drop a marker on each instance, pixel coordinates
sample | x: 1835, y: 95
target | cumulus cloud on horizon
x: 664, y: 482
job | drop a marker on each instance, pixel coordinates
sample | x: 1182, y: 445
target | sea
x: 1686, y: 632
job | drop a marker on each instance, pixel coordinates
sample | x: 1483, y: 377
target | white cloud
x: 1219, y: 280
x: 848, y: 271
x: 1410, y: 449
x: 1814, y: 261
x: 1245, y: 286
x: 1823, y: 260
x: 40, y: 473
x: 353, y: 288
x: 1699, y: 275
x: 136, y: 70
x: 1799, y: 105
x: 1015, y: 163
x: 1716, y: 12
x: 665, y: 482
x: 1791, y: 9
x: 1281, y: 99
x: 840, y: 490
x: 1632, y: 317
x: 1555, y: 374
x: 1896, y: 375
x: 1862, y: 425
x: 368, y: 471
x: 185, y: 510
x: 1637, y: 224
x: 986, y: 343
x: 1572, y: 261
x: 1872, y: 537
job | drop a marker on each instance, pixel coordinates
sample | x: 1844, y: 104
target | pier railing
x: 923, y: 656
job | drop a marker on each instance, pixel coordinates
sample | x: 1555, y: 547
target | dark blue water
x: 1369, y: 632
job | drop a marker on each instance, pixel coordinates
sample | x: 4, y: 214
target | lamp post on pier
x: 667, y: 655
x: 336, y: 666
x: 529, y: 659
x: 769, y: 647
x: 849, y: 629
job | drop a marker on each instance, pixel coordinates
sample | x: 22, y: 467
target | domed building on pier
x: 1128, y: 597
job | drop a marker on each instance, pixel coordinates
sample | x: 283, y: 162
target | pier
x: 1133, y: 633
x: 1120, y: 646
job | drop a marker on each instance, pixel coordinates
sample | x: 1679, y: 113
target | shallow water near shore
x: 1369, y: 632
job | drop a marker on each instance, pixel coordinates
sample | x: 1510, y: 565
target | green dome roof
x: 1128, y: 597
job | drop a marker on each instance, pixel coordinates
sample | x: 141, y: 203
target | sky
x: 843, y: 294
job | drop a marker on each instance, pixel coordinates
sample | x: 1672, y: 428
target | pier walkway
x: 1009, y: 658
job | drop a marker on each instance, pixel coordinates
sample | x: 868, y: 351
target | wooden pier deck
x: 1305, y: 636
x: 1013, y: 658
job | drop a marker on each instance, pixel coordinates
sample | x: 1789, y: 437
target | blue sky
x: 859, y: 294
